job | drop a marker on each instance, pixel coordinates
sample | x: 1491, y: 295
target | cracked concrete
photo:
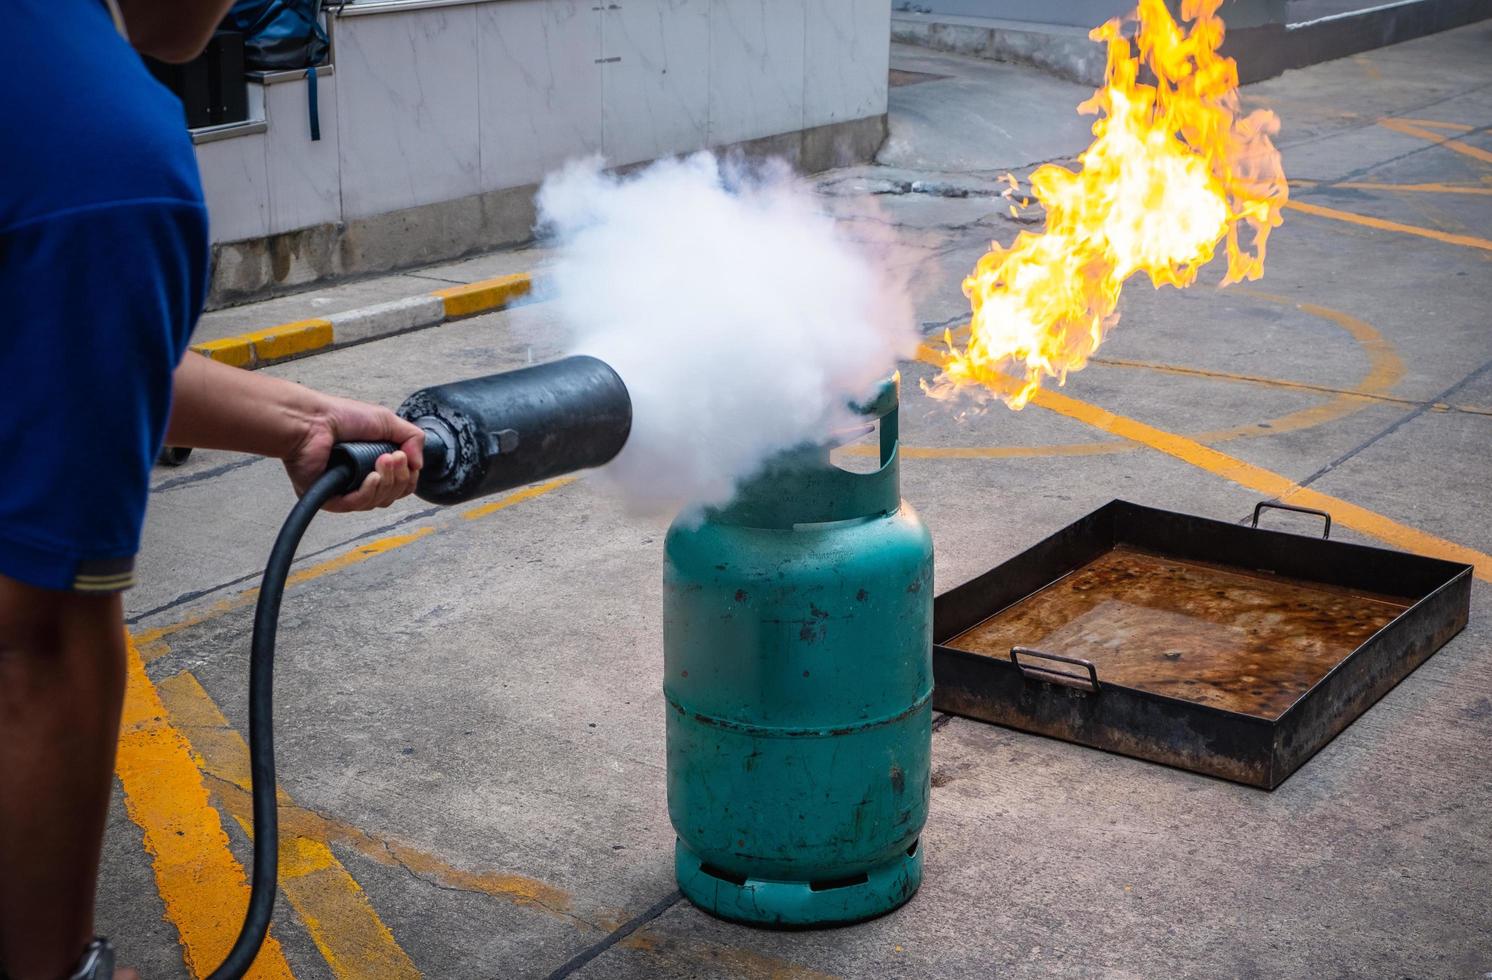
x: 472, y: 718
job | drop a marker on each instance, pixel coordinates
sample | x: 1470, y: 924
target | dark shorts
x: 103, y: 268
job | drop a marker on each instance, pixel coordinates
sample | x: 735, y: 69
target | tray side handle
x: 1276, y: 505
x: 1053, y: 675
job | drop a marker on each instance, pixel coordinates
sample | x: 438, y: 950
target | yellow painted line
x: 517, y: 497
x: 224, y: 757
x: 357, y: 555
x: 1263, y: 481
x: 1416, y: 128
x: 334, y: 909
x: 201, y: 883
x: 1255, y: 379
x: 1246, y: 474
x: 1366, y: 185
x: 1000, y: 452
x: 519, y: 889
x: 1385, y: 369
x: 713, y: 960
x: 149, y: 640
x: 1182, y: 370
x: 1468, y: 241
x: 484, y: 296
x: 1369, y: 69
x: 1433, y: 124
x: 1476, y: 190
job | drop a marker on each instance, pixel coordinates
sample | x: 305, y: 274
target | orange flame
x: 1172, y: 171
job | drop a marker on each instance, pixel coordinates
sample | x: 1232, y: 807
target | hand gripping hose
x: 350, y: 463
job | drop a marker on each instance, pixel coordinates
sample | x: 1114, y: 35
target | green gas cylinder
x: 798, y: 657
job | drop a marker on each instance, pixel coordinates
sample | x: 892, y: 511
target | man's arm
x: 220, y: 407
x: 172, y: 30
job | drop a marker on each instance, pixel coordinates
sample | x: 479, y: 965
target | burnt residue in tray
x: 1245, y: 642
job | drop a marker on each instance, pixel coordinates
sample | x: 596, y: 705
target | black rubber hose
x: 333, y: 483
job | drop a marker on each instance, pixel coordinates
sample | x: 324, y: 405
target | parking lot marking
x: 517, y: 497
x: 520, y: 890
x: 201, y: 883
x: 351, y: 937
x: 1417, y: 128
x: 223, y: 756
x: 725, y: 961
x: 148, y: 640
x: 1263, y: 481
x: 1467, y: 241
x: 1369, y: 69
x: 1244, y: 474
x: 1255, y: 379
x: 1181, y: 369
x: 1453, y: 127
x: 1369, y: 185
x: 1385, y: 369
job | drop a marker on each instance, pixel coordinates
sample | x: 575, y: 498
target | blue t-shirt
x: 103, y: 269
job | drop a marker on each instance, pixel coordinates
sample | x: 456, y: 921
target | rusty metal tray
x: 1215, y: 647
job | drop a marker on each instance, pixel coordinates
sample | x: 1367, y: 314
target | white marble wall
x: 847, y: 62
x: 655, y: 81
x: 235, y: 183
x: 444, y: 102
x: 756, y: 68
x: 305, y: 176
x: 407, y: 108
x: 540, y: 82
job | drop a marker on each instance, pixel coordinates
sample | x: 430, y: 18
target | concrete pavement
x: 470, y: 724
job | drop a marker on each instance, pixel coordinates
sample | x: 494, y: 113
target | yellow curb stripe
x: 334, y: 909
x: 484, y: 296
x: 270, y: 344
x: 1469, y: 241
x: 290, y: 339
x: 232, y: 351
x: 260, y: 347
x: 200, y: 882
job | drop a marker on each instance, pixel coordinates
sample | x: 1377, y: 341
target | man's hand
x: 220, y: 407
x: 344, y: 420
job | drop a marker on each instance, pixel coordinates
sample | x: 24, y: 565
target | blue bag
x: 279, y: 34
